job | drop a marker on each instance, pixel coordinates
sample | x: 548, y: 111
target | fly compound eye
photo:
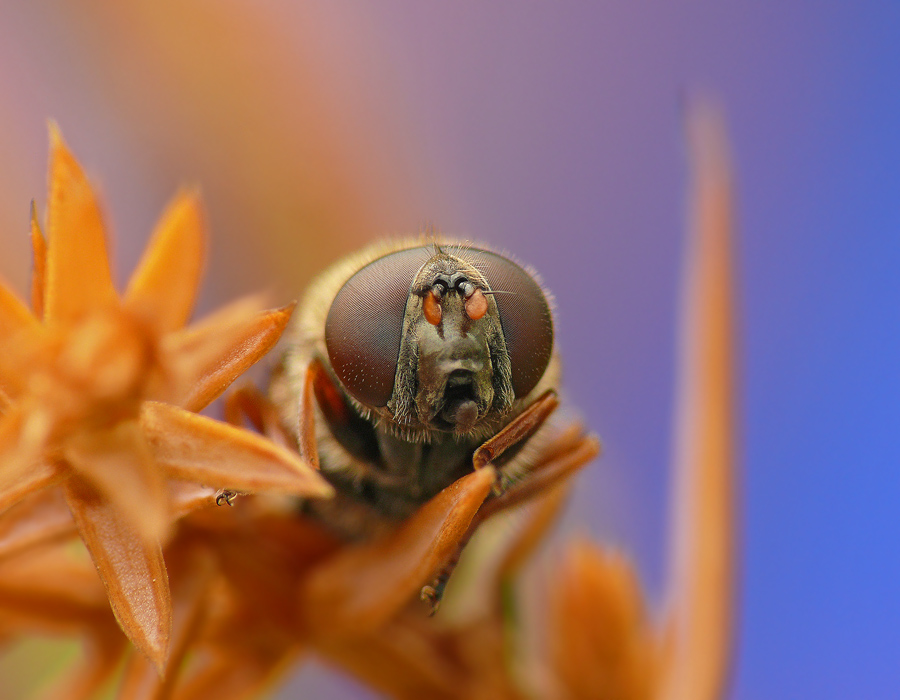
x: 524, y: 315
x: 365, y: 322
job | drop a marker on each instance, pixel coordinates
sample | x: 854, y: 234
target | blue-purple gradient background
x: 554, y: 130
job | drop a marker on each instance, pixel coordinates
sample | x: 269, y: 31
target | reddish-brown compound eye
x: 524, y: 315
x: 364, y: 325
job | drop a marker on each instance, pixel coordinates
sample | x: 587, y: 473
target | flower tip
x: 705, y: 129
x: 192, y: 191
x: 325, y: 490
x: 58, y: 146
x: 39, y: 267
x: 158, y: 656
x: 594, y: 445
x: 191, y: 198
x: 55, y: 134
x: 486, y: 476
x: 283, y: 314
x: 307, y: 482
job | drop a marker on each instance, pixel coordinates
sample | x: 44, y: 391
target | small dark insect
x: 410, y: 365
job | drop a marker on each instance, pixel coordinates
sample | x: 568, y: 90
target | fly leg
x: 518, y: 430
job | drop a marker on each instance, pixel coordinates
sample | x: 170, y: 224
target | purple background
x: 555, y: 131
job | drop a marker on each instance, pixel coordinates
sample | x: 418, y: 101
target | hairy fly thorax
x: 404, y: 360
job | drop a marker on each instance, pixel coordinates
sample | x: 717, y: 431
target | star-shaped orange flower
x: 97, y: 393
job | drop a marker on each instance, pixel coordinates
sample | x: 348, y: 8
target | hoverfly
x: 409, y: 365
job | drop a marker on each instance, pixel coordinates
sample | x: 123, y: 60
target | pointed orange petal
x: 493, y: 559
x: 186, y: 497
x: 247, y: 403
x: 141, y: 680
x: 119, y: 464
x: 701, y: 622
x: 23, y: 468
x: 210, y: 355
x: 39, y: 270
x: 244, y: 404
x: 14, y: 315
x: 16, y: 321
x: 21, y: 485
x: 190, y: 591
x: 34, y: 522
x: 78, y: 275
x: 363, y: 586
x: 195, y: 448
x: 600, y: 642
x: 48, y: 591
x: 19, y: 356
x: 132, y: 571
x: 164, y: 286
x: 403, y: 661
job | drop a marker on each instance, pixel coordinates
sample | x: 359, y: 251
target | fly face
x: 406, y: 361
x: 441, y: 339
x: 453, y: 368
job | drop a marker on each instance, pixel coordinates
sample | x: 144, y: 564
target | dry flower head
x: 99, y: 393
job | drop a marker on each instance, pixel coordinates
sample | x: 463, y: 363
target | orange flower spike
x: 14, y: 317
x: 190, y: 592
x: 78, y: 274
x: 132, y: 570
x: 22, y: 469
x: 17, y: 325
x: 165, y: 284
x: 195, y: 448
x: 485, y: 582
x: 699, y: 628
x: 74, y: 389
x: 363, y: 586
x: 216, y: 350
x: 51, y: 592
x: 39, y: 264
x: 600, y: 641
x: 34, y: 522
x: 119, y: 464
x: 43, y: 517
x: 404, y: 659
